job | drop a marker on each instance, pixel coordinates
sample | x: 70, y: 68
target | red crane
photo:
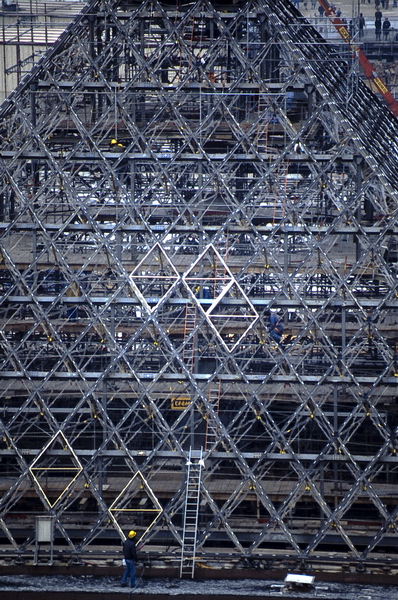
x: 363, y: 61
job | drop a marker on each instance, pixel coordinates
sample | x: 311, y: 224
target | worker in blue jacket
x: 275, y: 328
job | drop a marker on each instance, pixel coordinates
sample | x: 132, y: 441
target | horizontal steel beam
x: 215, y: 456
x: 91, y: 375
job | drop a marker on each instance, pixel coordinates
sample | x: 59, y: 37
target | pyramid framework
x: 169, y: 175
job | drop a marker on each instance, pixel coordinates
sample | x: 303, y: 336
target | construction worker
x: 130, y: 557
x: 275, y: 326
x: 386, y: 28
x: 361, y: 25
x: 116, y: 146
x: 378, y: 15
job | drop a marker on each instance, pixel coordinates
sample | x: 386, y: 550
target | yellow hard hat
x: 113, y: 141
x: 132, y: 534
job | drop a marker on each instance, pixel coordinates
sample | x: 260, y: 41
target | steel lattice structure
x: 169, y: 172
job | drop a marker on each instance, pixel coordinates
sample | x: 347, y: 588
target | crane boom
x: 363, y: 60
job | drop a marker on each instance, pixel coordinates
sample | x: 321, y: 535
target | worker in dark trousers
x: 130, y: 557
x: 361, y: 25
x: 275, y: 326
x: 378, y: 15
x: 386, y: 28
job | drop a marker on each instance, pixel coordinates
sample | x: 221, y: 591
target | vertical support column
x: 142, y: 38
x: 100, y: 463
x: 119, y: 245
x: 34, y: 254
x: 285, y: 261
x: 322, y: 489
x: 263, y: 32
x: 93, y: 95
x: 32, y: 102
x: 91, y: 19
x: 358, y: 185
x: 34, y: 165
x: 18, y: 51
x: 12, y: 205
x: 335, y: 429
x: 343, y: 329
x: 132, y: 183
x: 112, y: 324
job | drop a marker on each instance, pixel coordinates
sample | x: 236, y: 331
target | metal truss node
x: 169, y: 174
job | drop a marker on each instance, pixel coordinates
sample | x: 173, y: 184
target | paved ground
x: 108, y: 587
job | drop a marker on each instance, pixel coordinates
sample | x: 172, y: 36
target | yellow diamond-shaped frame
x: 78, y: 469
x: 114, y: 506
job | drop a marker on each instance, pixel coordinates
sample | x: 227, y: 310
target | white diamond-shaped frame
x: 252, y: 318
x: 230, y: 282
x: 226, y: 276
x: 78, y: 469
x: 134, y: 276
